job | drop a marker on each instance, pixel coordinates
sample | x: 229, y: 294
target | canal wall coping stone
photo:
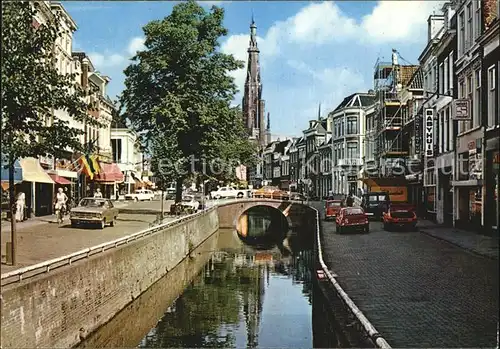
x: 61, y: 308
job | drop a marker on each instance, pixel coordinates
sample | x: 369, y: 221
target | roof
x: 302, y: 140
x: 406, y: 73
x: 280, y: 147
x: 417, y: 80
x: 356, y: 100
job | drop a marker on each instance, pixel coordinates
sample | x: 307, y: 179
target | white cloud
x: 212, y: 3
x: 136, y: 44
x: 398, y: 20
x: 103, y: 61
x: 319, y: 23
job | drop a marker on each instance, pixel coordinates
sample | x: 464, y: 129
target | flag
x: 86, y: 167
x: 95, y: 164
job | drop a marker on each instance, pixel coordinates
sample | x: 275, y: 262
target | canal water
x: 235, y: 292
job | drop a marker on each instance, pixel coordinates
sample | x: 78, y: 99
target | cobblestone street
x: 417, y: 290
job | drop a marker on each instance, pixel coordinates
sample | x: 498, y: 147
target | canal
x: 234, y: 291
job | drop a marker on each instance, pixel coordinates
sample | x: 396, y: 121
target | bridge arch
x: 229, y: 213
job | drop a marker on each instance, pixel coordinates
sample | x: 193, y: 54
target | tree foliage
x: 32, y: 87
x: 178, y: 94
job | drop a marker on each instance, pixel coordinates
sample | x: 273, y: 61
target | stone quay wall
x: 63, y: 307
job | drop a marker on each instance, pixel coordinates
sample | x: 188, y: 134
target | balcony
x: 349, y: 162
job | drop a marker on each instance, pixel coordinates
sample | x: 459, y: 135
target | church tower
x: 253, y: 104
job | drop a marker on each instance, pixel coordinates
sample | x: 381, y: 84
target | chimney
x: 85, y: 73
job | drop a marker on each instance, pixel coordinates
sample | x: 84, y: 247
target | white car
x: 229, y: 192
x: 188, y: 201
x: 141, y: 195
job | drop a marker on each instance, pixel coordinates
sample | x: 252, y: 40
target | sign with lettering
x: 418, y: 135
x: 461, y: 109
x: 429, y: 133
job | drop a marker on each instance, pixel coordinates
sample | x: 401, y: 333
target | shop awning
x: 110, y: 173
x: 33, y: 172
x: 59, y: 180
x: 384, y: 181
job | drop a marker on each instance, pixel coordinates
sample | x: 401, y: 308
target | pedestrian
x: 61, y: 200
x: 98, y: 194
x: 20, y: 205
x: 349, y: 201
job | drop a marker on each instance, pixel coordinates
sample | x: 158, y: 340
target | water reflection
x: 261, y: 221
x: 242, y: 300
x: 233, y: 292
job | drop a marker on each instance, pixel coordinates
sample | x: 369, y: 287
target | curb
x: 470, y: 250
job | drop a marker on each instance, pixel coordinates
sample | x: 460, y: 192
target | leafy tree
x: 32, y: 88
x: 178, y: 93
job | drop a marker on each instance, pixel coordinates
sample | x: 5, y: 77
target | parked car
x: 229, y: 192
x: 190, y: 204
x: 400, y: 215
x: 271, y: 192
x: 297, y: 197
x: 375, y: 204
x: 98, y: 211
x: 332, y: 208
x: 141, y: 195
x: 352, y: 218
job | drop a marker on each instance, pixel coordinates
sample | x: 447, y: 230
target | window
x: 352, y: 150
x: 468, y: 42
x: 342, y: 127
x: 441, y: 132
x: 461, y: 36
x: 450, y: 72
x: 445, y: 76
x: 469, y: 90
x: 477, y: 19
x: 441, y: 78
x: 477, y: 98
x: 352, y: 125
x: 451, y: 134
x: 492, y: 103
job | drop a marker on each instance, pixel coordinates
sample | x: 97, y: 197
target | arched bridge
x: 230, y: 212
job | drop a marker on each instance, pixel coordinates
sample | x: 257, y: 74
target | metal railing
x: 46, y: 266
x: 52, y: 264
x: 370, y: 330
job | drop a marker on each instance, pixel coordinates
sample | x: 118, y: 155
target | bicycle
x: 60, y: 213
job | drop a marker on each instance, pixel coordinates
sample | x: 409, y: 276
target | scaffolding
x: 389, y: 79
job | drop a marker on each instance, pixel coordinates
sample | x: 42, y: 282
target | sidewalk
x: 37, y: 221
x: 483, y: 245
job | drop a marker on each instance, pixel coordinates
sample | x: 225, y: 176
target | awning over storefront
x: 468, y: 183
x: 63, y: 173
x: 59, y: 180
x: 33, y: 171
x: 384, y: 181
x: 109, y: 173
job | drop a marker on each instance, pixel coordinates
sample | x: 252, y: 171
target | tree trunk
x: 12, y: 203
x: 178, y: 190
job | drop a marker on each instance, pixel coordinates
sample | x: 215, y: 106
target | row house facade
x: 347, y: 124
x: 314, y: 136
x: 50, y: 173
x: 489, y: 42
x: 460, y: 114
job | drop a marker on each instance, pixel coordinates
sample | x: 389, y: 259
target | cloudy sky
x: 311, y: 52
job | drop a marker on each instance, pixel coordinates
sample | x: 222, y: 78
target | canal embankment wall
x: 62, y: 307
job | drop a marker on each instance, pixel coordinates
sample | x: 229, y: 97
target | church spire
x: 319, y: 112
x: 268, y: 121
x: 253, y: 37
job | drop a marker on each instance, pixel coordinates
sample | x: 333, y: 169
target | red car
x: 352, y: 218
x: 401, y: 215
x: 332, y: 208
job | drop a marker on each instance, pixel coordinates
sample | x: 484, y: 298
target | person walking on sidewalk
x: 20, y: 205
x: 98, y: 194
